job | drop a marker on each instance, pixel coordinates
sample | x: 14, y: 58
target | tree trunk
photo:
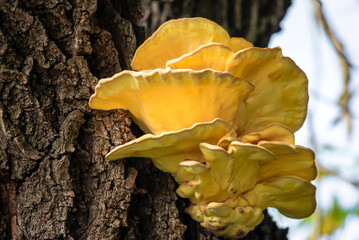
x: 54, y: 180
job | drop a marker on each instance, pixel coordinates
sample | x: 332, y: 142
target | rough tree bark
x: 54, y: 180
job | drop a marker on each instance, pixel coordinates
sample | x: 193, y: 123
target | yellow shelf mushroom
x: 171, y: 100
x: 168, y: 149
x: 219, y: 116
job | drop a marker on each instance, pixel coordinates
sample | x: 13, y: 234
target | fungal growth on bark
x: 219, y: 116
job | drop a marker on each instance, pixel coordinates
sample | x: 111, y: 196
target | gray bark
x: 54, y: 180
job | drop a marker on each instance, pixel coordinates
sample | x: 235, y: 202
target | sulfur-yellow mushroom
x: 281, y: 87
x: 170, y: 100
x: 219, y: 116
x: 230, y: 172
x: 181, y: 36
x: 168, y: 149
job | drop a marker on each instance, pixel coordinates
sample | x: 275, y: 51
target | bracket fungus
x: 220, y: 116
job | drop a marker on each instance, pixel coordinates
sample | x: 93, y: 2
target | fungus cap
x: 225, y: 172
x: 168, y: 149
x: 171, y: 100
x: 281, y: 87
x: 180, y: 36
x: 281, y: 93
x: 292, y: 196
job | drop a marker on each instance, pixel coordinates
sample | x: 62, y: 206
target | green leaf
x: 333, y: 219
x: 306, y: 222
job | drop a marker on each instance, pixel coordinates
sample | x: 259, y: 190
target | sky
x: 303, y: 40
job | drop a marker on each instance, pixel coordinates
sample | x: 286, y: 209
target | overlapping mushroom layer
x: 220, y: 118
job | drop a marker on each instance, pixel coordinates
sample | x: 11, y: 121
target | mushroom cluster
x: 219, y: 115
